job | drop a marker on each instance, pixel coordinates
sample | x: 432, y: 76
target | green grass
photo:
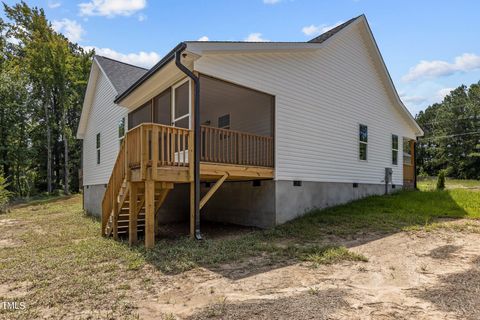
x: 60, y: 261
x: 429, y: 184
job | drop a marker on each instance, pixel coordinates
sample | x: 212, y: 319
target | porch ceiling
x: 157, y: 83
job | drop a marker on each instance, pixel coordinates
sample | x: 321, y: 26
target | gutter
x: 196, y: 130
x: 169, y: 57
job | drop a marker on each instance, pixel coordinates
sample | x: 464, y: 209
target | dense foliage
x: 42, y: 82
x: 4, y: 194
x: 452, y: 135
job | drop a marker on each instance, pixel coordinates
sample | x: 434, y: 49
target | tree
x: 452, y: 135
x: 53, y: 74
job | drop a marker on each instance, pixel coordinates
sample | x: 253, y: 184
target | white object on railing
x: 181, y: 156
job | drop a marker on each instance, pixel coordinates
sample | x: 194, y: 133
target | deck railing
x: 113, y: 187
x: 151, y: 145
x: 158, y: 145
x: 235, y: 147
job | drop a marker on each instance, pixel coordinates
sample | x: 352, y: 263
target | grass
x: 429, y: 184
x: 56, y: 258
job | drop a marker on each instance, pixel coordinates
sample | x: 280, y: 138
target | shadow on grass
x: 40, y: 200
x: 313, y: 304
x: 320, y: 235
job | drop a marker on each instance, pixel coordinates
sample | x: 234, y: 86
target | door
x: 181, y: 104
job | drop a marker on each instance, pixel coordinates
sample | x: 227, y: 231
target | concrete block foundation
x: 262, y: 204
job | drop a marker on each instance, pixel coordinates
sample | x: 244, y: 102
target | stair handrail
x: 114, y: 184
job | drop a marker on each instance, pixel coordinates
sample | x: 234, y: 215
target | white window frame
x: 360, y: 142
x: 98, y: 146
x: 175, y: 86
x: 391, y: 146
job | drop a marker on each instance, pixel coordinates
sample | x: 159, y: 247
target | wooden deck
x: 153, y: 158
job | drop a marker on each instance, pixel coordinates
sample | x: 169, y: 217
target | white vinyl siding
x: 103, y: 118
x: 320, y: 99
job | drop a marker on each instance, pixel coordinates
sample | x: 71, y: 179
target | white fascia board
x: 202, y: 47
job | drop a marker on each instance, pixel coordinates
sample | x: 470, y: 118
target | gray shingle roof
x: 122, y: 75
x: 326, y: 35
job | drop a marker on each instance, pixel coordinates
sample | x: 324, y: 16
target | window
x: 121, y: 129
x: 98, y: 148
x: 363, y: 142
x: 224, y: 121
x: 394, y: 149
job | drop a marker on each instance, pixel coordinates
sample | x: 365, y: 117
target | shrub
x: 4, y: 194
x: 441, y: 180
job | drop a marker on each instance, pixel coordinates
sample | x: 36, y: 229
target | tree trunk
x: 65, y: 145
x: 49, y: 150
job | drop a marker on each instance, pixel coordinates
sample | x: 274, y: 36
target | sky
x: 429, y: 47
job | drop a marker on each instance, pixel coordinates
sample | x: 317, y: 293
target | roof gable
x: 121, y: 75
x: 330, y: 33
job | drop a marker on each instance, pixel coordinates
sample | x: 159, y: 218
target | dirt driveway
x: 409, y: 275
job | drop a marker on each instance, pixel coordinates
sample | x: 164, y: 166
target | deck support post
x: 133, y: 213
x: 149, y: 213
x: 192, y: 210
x: 115, y: 216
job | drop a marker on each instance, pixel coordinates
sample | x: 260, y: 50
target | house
x: 246, y: 133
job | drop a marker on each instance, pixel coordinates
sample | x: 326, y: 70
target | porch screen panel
x: 181, y: 100
x: 140, y: 115
x: 162, y: 110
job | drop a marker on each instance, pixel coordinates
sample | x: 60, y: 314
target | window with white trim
x: 362, y: 142
x: 98, y: 148
x: 394, y: 149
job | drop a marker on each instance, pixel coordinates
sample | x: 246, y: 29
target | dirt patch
x: 409, y: 276
x: 12, y: 292
x: 9, y: 222
x: 312, y: 305
x: 9, y: 243
x: 458, y: 292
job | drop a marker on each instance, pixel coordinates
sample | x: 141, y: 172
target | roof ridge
x: 118, y: 61
x: 329, y: 33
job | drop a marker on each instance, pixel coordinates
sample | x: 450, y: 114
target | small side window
x: 363, y: 142
x: 394, y: 149
x: 98, y: 148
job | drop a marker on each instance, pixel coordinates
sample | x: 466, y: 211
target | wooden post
x: 143, y: 152
x: 154, y: 152
x: 114, y: 212
x: 149, y: 213
x: 133, y: 213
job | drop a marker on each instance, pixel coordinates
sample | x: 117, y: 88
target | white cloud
x: 111, y: 8
x: 271, y: 1
x: 204, y: 38
x: 255, y: 37
x: 415, y: 100
x: 53, y: 4
x: 70, y: 28
x: 442, y: 93
x: 142, y: 58
x: 438, y: 68
x: 141, y: 17
x: 314, y: 30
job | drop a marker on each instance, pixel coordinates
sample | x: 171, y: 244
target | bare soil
x: 409, y: 275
